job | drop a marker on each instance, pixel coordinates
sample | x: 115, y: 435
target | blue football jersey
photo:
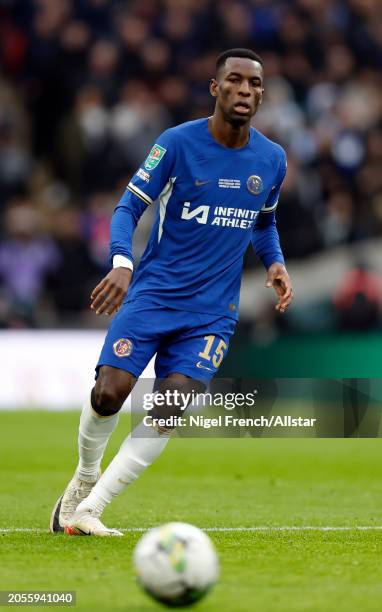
x: 213, y: 201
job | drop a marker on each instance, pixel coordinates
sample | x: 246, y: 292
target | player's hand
x: 109, y: 294
x: 278, y: 278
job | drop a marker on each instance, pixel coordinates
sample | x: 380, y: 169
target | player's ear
x: 213, y: 87
x: 261, y: 97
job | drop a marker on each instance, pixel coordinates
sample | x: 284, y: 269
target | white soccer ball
x: 176, y: 564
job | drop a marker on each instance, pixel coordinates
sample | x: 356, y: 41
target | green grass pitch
x: 220, y: 483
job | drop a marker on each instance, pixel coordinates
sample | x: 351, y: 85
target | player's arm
x: 141, y: 192
x: 266, y: 244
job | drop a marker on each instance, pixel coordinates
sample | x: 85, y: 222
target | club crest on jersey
x: 154, y: 157
x: 255, y: 184
x: 123, y: 347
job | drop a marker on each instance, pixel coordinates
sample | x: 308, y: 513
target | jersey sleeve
x: 151, y: 178
x: 144, y: 188
x: 273, y: 198
x: 265, y: 237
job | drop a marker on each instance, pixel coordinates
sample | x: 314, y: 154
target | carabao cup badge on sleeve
x: 154, y: 157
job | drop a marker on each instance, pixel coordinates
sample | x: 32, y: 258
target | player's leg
x: 127, y: 350
x: 143, y: 445
x: 98, y: 420
x: 140, y: 449
x: 100, y: 417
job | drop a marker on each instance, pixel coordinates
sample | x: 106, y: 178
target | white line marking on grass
x: 296, y: 528
x: 259, y: 528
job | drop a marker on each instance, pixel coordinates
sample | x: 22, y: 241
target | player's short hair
x: 246, y: 53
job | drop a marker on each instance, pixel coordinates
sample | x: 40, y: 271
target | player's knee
x: 106, y: 401
x: 110, y: 392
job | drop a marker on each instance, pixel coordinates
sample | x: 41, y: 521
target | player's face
x: 238, y: 88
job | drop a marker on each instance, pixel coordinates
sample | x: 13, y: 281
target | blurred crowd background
x: 87, y: 85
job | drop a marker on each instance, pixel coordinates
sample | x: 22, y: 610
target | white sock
x: 94, y: 433
x: 134, y: 456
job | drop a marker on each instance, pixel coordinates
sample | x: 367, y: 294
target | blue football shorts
x: 187, y: 343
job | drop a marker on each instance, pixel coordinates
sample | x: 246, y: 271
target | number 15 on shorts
x: 215, y: 356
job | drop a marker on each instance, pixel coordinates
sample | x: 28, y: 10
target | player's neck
x: 227, y: 134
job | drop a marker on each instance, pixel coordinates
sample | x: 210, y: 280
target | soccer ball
x: 176, y: 564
